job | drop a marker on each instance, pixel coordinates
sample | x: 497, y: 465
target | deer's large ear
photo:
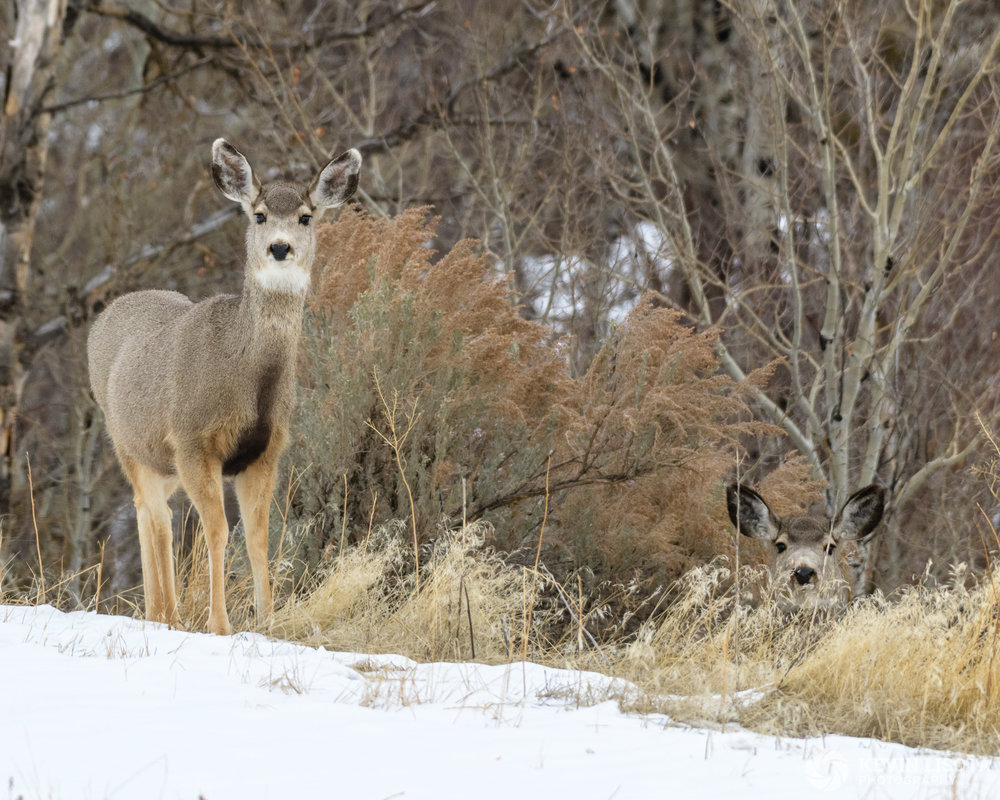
x: 750, y: 514
x: 337, y: 182
x: 860, y: 514
x: 233, y: 175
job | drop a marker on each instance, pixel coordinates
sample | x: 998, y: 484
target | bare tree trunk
x: 24, y: 129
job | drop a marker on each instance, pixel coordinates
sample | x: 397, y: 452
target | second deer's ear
x: 860, y: 514
x: 233, y: 175
x: 750, y: 514
x: 337, y: 182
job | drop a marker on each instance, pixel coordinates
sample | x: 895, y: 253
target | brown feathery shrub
x: 433, y: 349
x: 427, y: 398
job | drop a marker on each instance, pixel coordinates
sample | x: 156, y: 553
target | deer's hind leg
x: 152, y: 491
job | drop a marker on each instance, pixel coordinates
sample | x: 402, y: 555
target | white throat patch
x: 289, y: 278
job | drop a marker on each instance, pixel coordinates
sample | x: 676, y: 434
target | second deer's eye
x: 782, y: 547
x: 305, y: 219
x: 830, y: 548
x: 261, y: 218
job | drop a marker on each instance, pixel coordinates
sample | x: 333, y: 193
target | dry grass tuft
x: 922, y: 670
x: 469, y: 603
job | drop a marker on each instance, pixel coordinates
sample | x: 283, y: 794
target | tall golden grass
x: 921, y: 669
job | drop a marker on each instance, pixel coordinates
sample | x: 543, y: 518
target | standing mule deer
x: 807, y: 571
x: 195, y: 393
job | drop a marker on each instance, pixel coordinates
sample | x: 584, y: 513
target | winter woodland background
x: 713, y: 238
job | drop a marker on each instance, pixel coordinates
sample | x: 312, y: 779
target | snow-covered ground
x: 108, y: 707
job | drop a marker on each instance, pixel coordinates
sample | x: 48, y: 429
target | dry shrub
x: 791, y: 488
x: 655, y: 420
x: 426, y: 396
x: 434, y: 348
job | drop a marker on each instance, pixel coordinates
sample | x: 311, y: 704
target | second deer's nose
x: 279, y: 250
x: 803, y: 575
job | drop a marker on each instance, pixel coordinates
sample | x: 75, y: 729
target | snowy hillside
x: 108, y: 707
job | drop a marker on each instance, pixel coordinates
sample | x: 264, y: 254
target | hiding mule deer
x: 807, y: 570
x: 195, y: 393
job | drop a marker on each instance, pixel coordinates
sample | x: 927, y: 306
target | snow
x: 555, y: 284
x: 94, y: 706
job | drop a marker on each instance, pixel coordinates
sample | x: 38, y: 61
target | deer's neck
x: 270, y: 322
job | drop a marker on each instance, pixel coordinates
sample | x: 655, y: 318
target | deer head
x: 809, y: 568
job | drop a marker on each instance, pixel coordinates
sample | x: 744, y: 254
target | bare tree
x: 857, y: 237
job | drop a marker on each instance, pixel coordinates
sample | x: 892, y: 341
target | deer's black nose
x: 803, y: 575
x: 279, y: 250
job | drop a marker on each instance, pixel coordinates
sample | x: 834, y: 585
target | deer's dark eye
x: 305, y: 219
x: 261, y: 218
x: 782, y: 547
x: 830, y: 548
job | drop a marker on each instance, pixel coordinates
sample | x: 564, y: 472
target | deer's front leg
x: 254, y: 488
x: 201, y: 477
